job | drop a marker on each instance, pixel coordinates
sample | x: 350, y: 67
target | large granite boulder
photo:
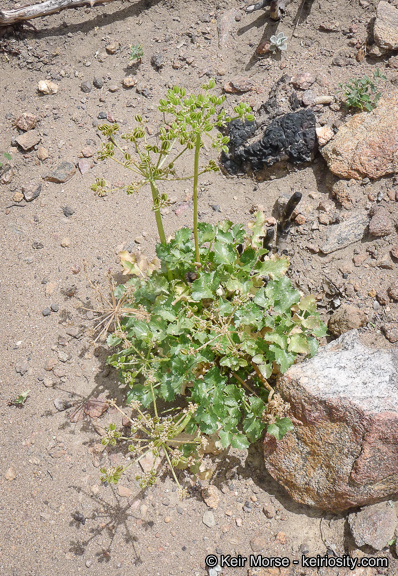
x: 386, y: 26
x: 343, y: 451
x: 367, y: 145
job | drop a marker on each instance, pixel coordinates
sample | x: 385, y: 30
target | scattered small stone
x: 239, y: 86
x: 269, y: 510
x: 31, y: 192
x: 211, y: 496
x: 124, y: 492
x: 18, y: 197
x: 47, y: 87
x: 11, y: 473
x: 98, y: 83
x: 89, y: 563
x: 359, y: 259
x: 238, y: 522
x: 46, y: 312
x: 66, y: 243
x: 308, y: 98
x: 129, y: 82
x: 158, y: 61
x: 29, y: 139
x: 302, y: 80
x: 48, y: 382
x: 345, y: 233
x: 259, y: 543
x: 86, y: 86
x: 84, y: 166
x: 113, y: 88
x: 73, y: 331
x: 281, y: 538
x: 208, y: 519
x: 54, y: 307
x: 102, y: 116
x: 50, y: 364
x: 167, y: 519
x: 42, y: 153
x: 323, y: 100
x: 324, y: 134
x: 112, y: 48
x: 347, y: 317
x: 393, y: 291
x: 68, y: 211
x: 62, y: 404
x: 390, y: 331
x: 62, y: 173
x: 380, y: 223
x: 374, y: 525
x: 21, y: 367
x: 26, y: 121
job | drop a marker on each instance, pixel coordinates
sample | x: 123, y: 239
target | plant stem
x: 158, y: 216
x: 195, y: 197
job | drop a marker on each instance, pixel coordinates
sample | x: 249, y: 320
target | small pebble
x: 54, y: 307
x: 46, y: 312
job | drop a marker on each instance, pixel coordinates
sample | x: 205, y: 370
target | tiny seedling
x: 361, y: 93
x: 278, y: 42
x: 7, y: 156
x: 137, y: 52
x: 20, y: 400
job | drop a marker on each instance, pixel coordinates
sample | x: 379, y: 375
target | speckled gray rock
x: 386, y: 26
x: 345, y: 233
x: 374, y: 525
x: 62, y: 173
x: 342, y: 452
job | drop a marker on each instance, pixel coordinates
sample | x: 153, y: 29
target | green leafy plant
x: 361, y: 93
x: 187, y: 120
x: 278, y: 42
x: 214, y: 338
x: 20, y: 400
x: 136, y: 52
x: 7, y: 156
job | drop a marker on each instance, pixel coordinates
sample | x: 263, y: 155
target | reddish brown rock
x: 238, y: 86
x: 347, y: 317
x: 380, y: 223
x: 367, y: 145
x: 28, y: 139
x: 26, y: 121
x: 393, y: 291
x: 342, y: 452
x: 302, y: 80
x: 374, y: 525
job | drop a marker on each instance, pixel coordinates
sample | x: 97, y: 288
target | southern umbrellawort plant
x: 187, y: 120
x: 361, y: 93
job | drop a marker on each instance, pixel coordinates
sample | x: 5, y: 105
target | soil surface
x: 56, y: 516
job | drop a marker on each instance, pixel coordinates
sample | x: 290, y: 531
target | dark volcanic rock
x: 291, y: 137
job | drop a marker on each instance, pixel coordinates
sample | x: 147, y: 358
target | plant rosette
x: 212, y: 337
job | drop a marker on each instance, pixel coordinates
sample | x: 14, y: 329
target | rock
x: 211, y: 496
x: 259, y: 543
x: 347, y: 232
x: 86, y: 86
x: 11, y: 473
x: 54, y: 307
x: 208, y: 519
x: 28, y: 140
x: 46, y: 312
x: 324, y: 134
x: 98, y: 83
x: 302, y: 80
x: 48, y: 382
x: 112, y: 47
x: 225, y: 23
x: 390, y: 331
x: 393, y: 291
x: 87, y: 152
x: 359, y: 259
x: 345, y: 399
x: 158, y: 61
x: 263, y: 48
x: 374, y: 525
x: 129, y: 82
x: 62, y: 173
x: 291, y: 137
x: 26, y: 121
x: 113, y: 88
x: 84, y: 166
x: 380, y: 223
x: 308, y: 98
x: 47, y: 87
x: 21, y: 367
x: 386, y: 26
x: 62, y: 404
x: 31, y: 192
x: 124, y: 492
x: 42, y: 153
x: 68, y: 211
x: 50, y: 364
x: 238, y: 86
x: 323, y: 100
x: 18, y: 197
x: 269, y: 510
x: 342, y: 194
x: 65, y: 243
x: 367, y: 145
x: 347, y: 317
